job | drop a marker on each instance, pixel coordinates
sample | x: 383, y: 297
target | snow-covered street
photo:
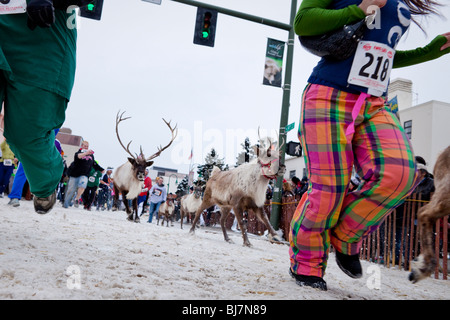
x: 76, y: 254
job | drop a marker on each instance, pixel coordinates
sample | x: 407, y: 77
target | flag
x: 393, y: 105
x: 274, y: 62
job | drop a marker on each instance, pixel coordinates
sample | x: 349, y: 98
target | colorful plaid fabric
x: 381, y: 154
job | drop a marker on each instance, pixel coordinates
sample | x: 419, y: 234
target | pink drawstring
x: 355, y: 112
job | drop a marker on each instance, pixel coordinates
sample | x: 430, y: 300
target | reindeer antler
x: 119, y: 119
x: 263, y: 142
x: 161, y: 149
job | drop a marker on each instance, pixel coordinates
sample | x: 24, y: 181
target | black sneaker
x: 309, y: 281
x: 44, y: 205
x: 349, y: 264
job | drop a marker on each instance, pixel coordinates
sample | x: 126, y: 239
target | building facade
x: 425, y: 123
x: 70, y: 144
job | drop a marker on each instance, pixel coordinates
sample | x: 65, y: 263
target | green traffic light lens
x: 205, y: 34
x: 91, y: 6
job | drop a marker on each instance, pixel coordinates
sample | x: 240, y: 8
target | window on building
x: 407, y: 125
x: 161, y: 173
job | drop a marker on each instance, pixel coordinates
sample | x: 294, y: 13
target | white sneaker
x: 14, y: 202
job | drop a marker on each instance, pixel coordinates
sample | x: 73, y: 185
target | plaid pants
x: 381, y: 154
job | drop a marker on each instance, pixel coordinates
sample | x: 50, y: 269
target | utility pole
x: 277, y: 194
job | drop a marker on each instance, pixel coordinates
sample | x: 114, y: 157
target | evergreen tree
x: 183, y: 186
x: 204, y: 171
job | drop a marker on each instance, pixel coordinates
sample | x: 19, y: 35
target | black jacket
x: 81, y: 167
x: 425, y: 187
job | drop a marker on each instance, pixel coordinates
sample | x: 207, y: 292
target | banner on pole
x: 274, y: 63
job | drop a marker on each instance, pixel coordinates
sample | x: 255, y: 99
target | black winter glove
x: 40, y: 13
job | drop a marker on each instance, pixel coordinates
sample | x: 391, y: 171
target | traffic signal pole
x: 277, y: 194
x: 238, y: 14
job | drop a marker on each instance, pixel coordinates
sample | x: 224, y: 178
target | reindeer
x: 129, y: 177
x: 166, y: 211
x: 438, y: 207
x: 190, y: 203
x: 243, y: 189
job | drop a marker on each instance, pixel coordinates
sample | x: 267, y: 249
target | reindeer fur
x: 166, y: 211
x: 129, y: 180
x: 190, y: 203
x: 129, y: 177
x: 438, y: 207
x: 242, y: 189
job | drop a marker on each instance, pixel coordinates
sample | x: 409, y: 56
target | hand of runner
x: 366, y: 4
x: 40, y: 13
x: 447, y: 45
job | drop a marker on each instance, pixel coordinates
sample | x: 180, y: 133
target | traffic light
x: 93, y: 10
x: 205, y: 27
x: 294, y: 149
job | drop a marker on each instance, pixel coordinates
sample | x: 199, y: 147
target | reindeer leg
x: 423, y: 266
x: 181, y: 218
x: 115, y: 206
x: 223, y: 219
x: 135, y: 210
x: 203, y: 206
x: 238, y: 212
x: 196, y: 218
x: 127, y: 208
x: 262, y: 216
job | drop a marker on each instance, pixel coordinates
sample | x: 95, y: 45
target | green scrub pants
x: 30, y: 116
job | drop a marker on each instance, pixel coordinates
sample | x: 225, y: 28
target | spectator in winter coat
x: 158, y: 195
x: 105, y: 190
x: 426, y: 184
x: 92, y: 185
x: 6, y: 166
x: 78, y: 174
x: 143, y: 196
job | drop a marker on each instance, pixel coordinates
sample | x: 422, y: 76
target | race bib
x: 91, y: 179
x: 7, y: 162
x: 13, y: 6
x: 372, y: 67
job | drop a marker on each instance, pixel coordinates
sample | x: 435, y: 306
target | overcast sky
x: 140, y: 58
